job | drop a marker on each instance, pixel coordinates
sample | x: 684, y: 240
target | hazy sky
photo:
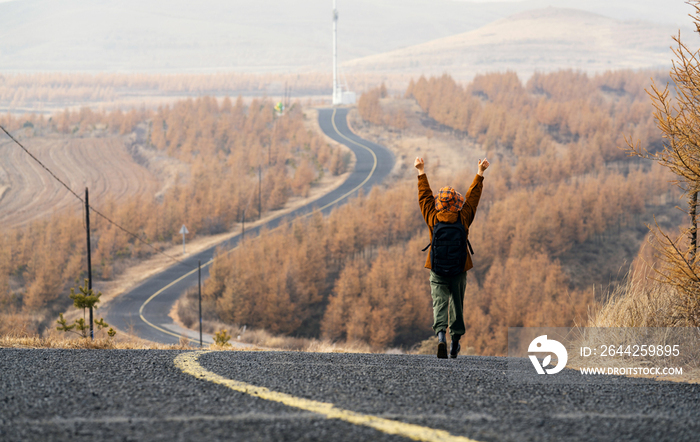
x: 264, y: 35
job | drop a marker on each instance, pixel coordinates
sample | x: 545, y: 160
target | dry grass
x: 265, y: 339
x: 426, y: 347
x: 35, y: 341
x: 324, y: 346
x: 643, y: 310
x: 22, y: 336
x: 261, y: 340
x: 19, y: 333
x: 640, y: 302
x: 55, y: 340
x: 12, y: 322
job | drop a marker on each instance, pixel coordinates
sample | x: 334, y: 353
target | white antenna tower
x: 339, y: 97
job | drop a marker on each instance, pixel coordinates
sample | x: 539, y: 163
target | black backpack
x: 448, y: 254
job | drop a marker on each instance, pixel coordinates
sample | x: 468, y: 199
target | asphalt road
x: 144, y: 310
x: 151, y: 395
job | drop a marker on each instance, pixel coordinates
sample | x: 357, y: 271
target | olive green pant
x: 448, y: 296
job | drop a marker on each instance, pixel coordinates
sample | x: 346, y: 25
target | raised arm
x: 426, y: 200
x: 471, y: 199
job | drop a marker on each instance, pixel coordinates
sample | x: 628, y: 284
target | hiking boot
x: 454, y: 347
x: 442, y: 346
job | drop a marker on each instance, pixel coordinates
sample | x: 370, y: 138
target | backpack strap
x: 469, y: 245
x: 450, y: 242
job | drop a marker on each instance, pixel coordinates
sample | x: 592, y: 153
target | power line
x: 41, y: 164
x: 83, y: 201
x: 134, y: 235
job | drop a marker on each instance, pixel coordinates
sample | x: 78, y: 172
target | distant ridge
x: 279, y: 36
x: 539, y: 40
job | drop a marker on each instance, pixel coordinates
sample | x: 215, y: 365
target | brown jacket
x: 431, y: 215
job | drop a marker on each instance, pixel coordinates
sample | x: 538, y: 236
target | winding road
x: 144, y: 310
x: 169, y: 395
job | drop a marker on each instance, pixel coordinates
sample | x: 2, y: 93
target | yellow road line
x: 188, y: 363
x: 371, y: 173
x: 161, y: 291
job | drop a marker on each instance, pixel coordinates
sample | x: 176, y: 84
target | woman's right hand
x: 419, y: 164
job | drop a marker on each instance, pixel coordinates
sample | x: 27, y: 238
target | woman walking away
x: 448, y: 216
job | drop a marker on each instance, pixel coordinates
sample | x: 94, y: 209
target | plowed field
x: 28, y: 192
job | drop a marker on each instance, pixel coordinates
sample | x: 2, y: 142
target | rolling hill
x: 541, y: 40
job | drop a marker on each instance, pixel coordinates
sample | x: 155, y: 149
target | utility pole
x: 243, y: 230
x: 89, y: 261
x: 272, y: 137
x: 336, y: 93
x: 199, y: 272
x: 259, y: 191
